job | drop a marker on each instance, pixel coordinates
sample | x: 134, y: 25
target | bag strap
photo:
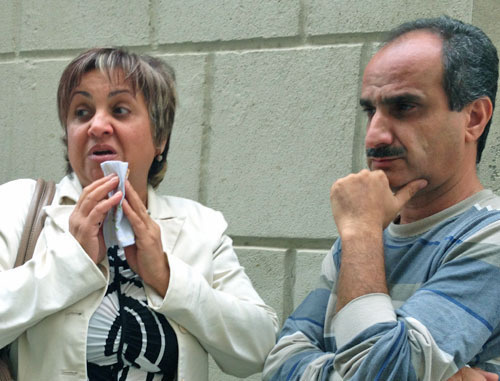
x: 5, y: 374
x: 44, y: 194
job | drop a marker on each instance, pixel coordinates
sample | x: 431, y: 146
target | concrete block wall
x: 268, y: 114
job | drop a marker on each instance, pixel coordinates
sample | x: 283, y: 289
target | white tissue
x: 116, y: 228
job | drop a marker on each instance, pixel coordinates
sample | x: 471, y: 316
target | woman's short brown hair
x: 154, y: 78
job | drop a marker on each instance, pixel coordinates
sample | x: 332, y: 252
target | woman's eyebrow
x: 79, y: 92
x: 119, y: 91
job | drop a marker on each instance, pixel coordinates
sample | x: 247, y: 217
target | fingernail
x: 422, y: 184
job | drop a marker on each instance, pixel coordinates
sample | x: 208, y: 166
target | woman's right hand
x: 85, y: 223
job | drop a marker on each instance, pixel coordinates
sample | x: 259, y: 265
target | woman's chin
x: 88, y: 178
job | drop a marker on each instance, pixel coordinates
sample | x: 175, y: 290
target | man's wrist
x: 358, y: 231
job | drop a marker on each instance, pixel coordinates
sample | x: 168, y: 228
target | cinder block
x: 225, y: 20
x: 348, y: 16
x: 485, y: 14
x: 489, y: 168
x: 7, y: 26
x: 307, y: 272
x: 55, y: 24
x: 282, y: 129
x: 182, y: 178
x: 32, y: 147
x: 267, y: 271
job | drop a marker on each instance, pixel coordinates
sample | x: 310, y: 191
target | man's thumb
x: 408, y: 191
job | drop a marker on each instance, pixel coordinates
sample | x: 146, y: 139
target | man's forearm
x: 362, y: 269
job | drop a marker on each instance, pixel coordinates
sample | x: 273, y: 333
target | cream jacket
x: 46, y: 304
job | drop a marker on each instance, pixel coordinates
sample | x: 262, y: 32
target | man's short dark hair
x: 470, y: 63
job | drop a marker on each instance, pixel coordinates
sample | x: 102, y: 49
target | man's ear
x: 479, y: 112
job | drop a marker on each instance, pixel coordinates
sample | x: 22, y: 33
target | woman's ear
x: 479, y: 112
x: 161, y: 147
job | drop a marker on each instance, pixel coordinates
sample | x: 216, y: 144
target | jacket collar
x: 68, y: 192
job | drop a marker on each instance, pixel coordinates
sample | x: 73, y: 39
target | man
x: 411, y: 289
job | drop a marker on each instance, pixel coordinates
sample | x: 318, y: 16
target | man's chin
x: 396, y: 185
x: 395, y: 188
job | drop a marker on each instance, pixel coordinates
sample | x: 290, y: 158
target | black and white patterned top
x: 126, y: 340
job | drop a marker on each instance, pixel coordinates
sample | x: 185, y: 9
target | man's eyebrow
x: 391, y: 100
x: 365, y: 103
x: 402, y: 98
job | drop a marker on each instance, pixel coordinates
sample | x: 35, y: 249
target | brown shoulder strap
x: 44, y: 193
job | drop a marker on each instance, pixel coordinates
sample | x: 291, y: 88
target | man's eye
x: 405, y: 107
x: 369, y: 111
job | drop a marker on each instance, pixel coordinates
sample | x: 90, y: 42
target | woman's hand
x: 85, y: 223
x: 146, y: 257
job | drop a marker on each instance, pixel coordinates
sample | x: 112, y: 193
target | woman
x: 148, y: 311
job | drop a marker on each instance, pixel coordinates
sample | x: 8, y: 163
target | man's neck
x: 428, y: 203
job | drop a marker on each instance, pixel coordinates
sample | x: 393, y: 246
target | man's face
x: 411, y: 132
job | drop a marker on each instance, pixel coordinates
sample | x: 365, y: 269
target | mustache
x: 386, y: 151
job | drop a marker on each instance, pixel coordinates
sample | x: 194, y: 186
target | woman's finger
x: 139, y: 223
x: 91, y: 197
x: 98, y: 213
x: 135, y: 201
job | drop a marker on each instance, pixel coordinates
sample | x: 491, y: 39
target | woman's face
x: 107, y: 121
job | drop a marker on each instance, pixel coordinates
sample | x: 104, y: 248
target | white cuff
x: 360, y: 314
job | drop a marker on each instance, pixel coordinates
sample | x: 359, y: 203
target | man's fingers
x: 408, y: 191
x: 473, y: 374
x: 487, y: 375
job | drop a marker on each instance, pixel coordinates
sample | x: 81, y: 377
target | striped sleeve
x: 451, y: 321
x: 301, y: 351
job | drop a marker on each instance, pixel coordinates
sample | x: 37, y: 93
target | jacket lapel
x: 170, y: 223
x: 170, y: 229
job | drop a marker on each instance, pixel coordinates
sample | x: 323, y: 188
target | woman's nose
x: 100, y: 125
x: 379, y: 131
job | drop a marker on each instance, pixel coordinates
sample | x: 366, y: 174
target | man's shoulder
x: 488, y: 200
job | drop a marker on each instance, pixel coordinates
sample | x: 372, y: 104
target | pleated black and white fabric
x: 126, y: 340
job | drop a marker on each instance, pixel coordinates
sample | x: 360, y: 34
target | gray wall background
x: 268, y: 114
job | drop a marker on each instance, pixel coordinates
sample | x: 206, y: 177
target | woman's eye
x: 120, y: 110
x: 81, y: 113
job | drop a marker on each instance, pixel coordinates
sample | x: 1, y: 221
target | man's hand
x: 473, y: 374
x: 365, y: 200
x: 363, y: 205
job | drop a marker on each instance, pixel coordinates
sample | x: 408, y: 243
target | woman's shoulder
x: 182, y: 206
x: 15, y: 198
x: 16, y: 191
x: 173, y: 206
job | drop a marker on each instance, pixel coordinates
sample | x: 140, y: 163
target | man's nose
x: 379, y: 131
